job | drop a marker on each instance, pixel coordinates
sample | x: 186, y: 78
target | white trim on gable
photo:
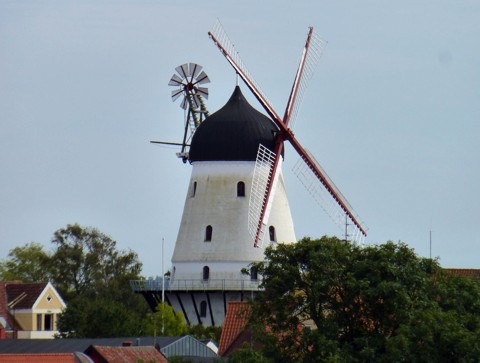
x: 42, y: 294
x: 48, y: 311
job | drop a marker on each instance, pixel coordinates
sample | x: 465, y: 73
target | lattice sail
x: 325, y: 200
x: 310, y: 58
x: 261, y: 176
x: 223, y: 42
x: 332, y: 200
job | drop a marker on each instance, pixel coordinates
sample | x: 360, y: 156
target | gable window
x: 240, y: 189
x: 208, y: 233
x: 206, y: 273
x: 271, y: 232
x: 203, y: 309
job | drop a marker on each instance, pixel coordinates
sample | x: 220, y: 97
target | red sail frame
x: 286, y: 134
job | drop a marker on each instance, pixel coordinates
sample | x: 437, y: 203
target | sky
x: 392, y: 114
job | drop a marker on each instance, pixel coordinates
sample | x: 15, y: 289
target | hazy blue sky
x: 392, y: 114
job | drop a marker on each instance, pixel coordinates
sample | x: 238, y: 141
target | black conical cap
x: 233, y: 132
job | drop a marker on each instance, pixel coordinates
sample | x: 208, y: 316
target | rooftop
x: 236, y: 321
x: 233, y: 133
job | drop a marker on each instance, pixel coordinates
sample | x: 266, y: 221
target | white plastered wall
x: 215, y: 203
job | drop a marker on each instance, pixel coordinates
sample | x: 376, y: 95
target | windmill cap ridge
x: 233, y: 133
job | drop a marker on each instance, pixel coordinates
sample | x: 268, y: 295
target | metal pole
x: 163, y: 274
x: 430, y: 244
x: 163, y: 291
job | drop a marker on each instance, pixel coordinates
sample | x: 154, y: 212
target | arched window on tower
x: 194, y: 189
x: 203, y: 309
x: 240, y: 189
x: 206, y: 273
x: 271, y: 232
x: 254, y: 273
x: 208, y: 233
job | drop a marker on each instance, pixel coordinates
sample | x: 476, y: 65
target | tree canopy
x: 28, y: 263
x: 86, y: 261
x: 326, y: 300
x: 165, y: 322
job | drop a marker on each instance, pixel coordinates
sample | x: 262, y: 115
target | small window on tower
x: 208, y: 233
x: 194, y: 189
x: 271, y: 232
x: 206, y: 273
x: 203, y: 309
x: 254, y: 273
x: 240, y: 189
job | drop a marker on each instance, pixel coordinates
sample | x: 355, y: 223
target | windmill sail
x: 312, y: 52
x: 262, y: 176
x: 323, y: 198
x: 226, y: 47
x: 223, y: 42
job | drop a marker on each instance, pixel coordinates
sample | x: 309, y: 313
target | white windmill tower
x: 213, y: 243
x: 236, y: 204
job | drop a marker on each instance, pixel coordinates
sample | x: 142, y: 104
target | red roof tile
x: 38, y: 358
x: 4, y: 311
x: 236, y: 321
x: 469, y: 272
x: 3, y: 300
x: 125, y: 354
x: 26, y: 294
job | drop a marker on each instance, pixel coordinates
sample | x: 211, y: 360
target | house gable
x: 49, y: 299
x: 29, y: 310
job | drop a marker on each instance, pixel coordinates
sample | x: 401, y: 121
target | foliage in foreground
x: 165, y: 322
x: 365, y: 304
x: 247, y: 354
x: 202, y: 332
x: 29, y: 263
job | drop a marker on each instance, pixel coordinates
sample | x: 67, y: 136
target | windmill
x: 236, y: 192
x: 267, y: 164
x: 187, y: 82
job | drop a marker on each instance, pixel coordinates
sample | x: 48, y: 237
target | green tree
x: 165, y: 322
x: 93, y: 276
x: 246, y: 354
x: 100, y: 317
x: 87, y: 261
x: 179, y: 359
x: 28, y: 263
x: 201, y: 332
x: 372, y: 304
